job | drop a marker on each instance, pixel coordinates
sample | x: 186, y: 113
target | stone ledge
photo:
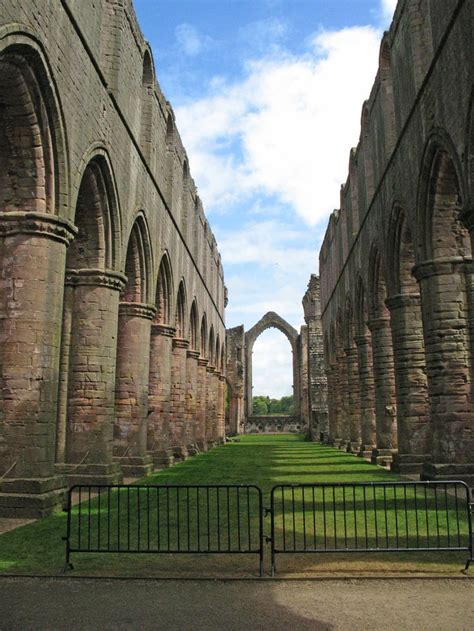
x: 90, y: 474
x: 135, y: 466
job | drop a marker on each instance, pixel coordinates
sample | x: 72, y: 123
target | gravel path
x: 43, y: 603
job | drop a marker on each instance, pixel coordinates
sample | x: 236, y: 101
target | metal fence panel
x: 195, y: 519
x: 371, y: 517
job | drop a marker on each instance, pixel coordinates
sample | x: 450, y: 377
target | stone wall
x: 396, y: 261
x: 112, y: 291
x: 274, y: 425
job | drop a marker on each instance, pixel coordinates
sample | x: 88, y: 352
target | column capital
x: 222, y: 377
x: 163, y: 329
x: 376, y: 324
x: 137, y: 310
x: 402, y: 300
x: 96, y: 278
x: 179, y: 342
x: 40, y: 224
x: 193, y: 354
x: 202, y: 361
x: 210, y: 369
x: 443, y: 266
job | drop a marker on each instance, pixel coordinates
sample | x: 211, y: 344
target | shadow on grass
x: 260, y: 460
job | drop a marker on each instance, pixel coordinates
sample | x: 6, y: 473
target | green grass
x: 262, y: 460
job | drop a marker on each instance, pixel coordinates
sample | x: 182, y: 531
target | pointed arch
x: 377, y: 285
x: 138, y: 264
x: 401, y: 253
x: 33, y: 155
x: 361, y: 308
x: 180, y: 314
x: 204, y: 338
x: 217, y: 352
x: 211, y: 347
x: 441, y: 200
x: 387, y: 96
x: 146, y: 114
x: 96, y: 217
x: 193, y: 327
x: 349, y: 323
x: 164, y: 291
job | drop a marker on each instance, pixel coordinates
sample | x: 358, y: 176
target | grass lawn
x: 263, y: 460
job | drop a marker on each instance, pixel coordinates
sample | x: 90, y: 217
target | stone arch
x: 272, y: 320
x: 96, y: 215
x: 382, y: 357
x: 138, y: 263
x: 211, y: 347
x: 217, y: 354
x: 204, y: 338
x: 408, y: 347
x: 366, y: 153
x: 377, y: 285
x: 193, y: 327
x: 34, y: 232
x: 387, y: 97
x: 469, y: 152
x: 164, y: 291
x: 35, y: 178
x: 146, y: 113
x: 350, y: 350
x: 441, y: 201
x: 90, y: 321
x: 363, y: 341
x: 446, y: 262
x: 180, y: 313
x: 133, y: 352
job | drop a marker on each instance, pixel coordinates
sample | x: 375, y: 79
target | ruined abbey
x: 114, y: 356
x: 396, y: 262
x: 112, y: 293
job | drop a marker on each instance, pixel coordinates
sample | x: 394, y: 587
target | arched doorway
x: 272, y: 320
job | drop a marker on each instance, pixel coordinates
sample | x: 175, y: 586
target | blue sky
x: 267, y: 96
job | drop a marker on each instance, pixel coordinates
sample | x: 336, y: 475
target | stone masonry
x: 111, y: 285
x: 396, y: 262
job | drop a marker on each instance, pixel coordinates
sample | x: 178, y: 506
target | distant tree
x: 263, y: 405
x: 260, y: 406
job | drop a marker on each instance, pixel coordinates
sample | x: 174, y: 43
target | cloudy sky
x: 267, y: 96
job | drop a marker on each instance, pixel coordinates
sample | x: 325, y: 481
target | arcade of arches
x: 112, y: 295
x: 114, y: 356
x: 396, y: 262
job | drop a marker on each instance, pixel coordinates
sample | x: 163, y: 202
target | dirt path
x: 234, y: 605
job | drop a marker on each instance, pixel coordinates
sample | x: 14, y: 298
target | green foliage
x: 263, y: 405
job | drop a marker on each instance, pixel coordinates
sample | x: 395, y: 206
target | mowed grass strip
x: 227, y: 519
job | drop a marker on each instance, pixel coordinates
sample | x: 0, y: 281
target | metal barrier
x: 371, y: 517
x: 197, y: 519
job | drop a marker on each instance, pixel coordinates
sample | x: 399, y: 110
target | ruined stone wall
x: 396, y: 261
x: 112, y: 286
x: 316, y: 374
x: 235, y: 373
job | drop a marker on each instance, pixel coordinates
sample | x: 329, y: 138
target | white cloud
x: 272, y: 371
x: 286, y: 128
x: 190, y: 41
x: 388, y: 9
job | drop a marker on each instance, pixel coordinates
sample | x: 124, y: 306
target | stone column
x: 449, y: 366
x: 411, y: 386
x: 191, y: 401
x: 131, y: 389
x: 32, y: 263
x: 178, y: 399
x: 353, y: 412
x: 93, y: 298
x: 159, y: 395
x: 331, y: 404
x: 220, y: 407
x: 384, y: 384
x: 201, y: 437
x: 336, y: 432
x: 366, y: 395
x: 211, y: 434
x: 343, y: 412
